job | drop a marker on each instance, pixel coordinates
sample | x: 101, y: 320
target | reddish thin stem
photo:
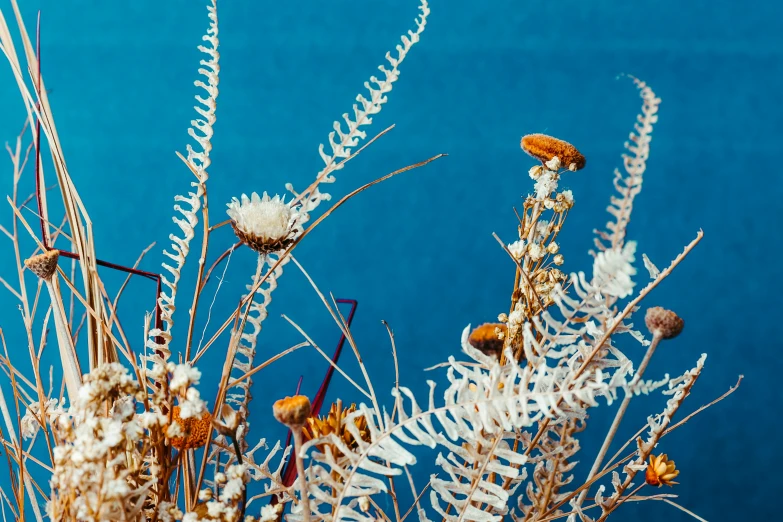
x: 289, y: 475
x: 39, y: 198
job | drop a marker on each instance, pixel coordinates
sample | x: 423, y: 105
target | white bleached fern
x: 484, y: 406
x: 341, y: 142
x: 629, y: 185
x: 188, y: 206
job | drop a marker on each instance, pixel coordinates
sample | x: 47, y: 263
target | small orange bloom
x: 197, y: 430
x: 661, y: 471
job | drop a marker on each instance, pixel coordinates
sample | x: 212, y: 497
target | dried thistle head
x: 663, y: 323
x: 661, y: 471
x: 264, y: 224
x: 292, y: 411
x: 196, y: 430
x: 488, y: 338
x: 334, y: 423
x: 545, y: 148
x: 43, y: 265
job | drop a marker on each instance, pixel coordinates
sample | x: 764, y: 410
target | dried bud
x: 43, y: 265
x: 485, y: 338
x: 292, y: 411
x: 663, y: 323
x: 229, y: 421
x: 545, y: 148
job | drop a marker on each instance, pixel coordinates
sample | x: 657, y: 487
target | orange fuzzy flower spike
x: 661, y: 471
x: 545, y: 148
x: 197, y: 430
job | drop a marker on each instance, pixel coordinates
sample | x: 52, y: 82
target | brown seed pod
x: 43, y: 265
x: 292, y: 411
x: 663, y: 323
x: 485, y: 339
x: 545, y: 148
x: 196, y: 429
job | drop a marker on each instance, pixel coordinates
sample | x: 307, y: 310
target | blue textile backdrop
x: 417, y: 251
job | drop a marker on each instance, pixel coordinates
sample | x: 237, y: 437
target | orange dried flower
x: 661, y: 471
x: 485, y: 338
x: 334, y: 422
x: 196, y: 429
x: 545, y: 148
x: 292, y: 411
x: 43, y: 265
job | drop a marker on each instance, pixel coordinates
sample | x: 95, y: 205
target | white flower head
x: 183, y: 376
x: 517, y: 249
x: 264, y: 224
x: 546, y: 184
x: 553, y: 164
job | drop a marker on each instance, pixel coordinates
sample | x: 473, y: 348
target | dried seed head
x: 334, y: 422
x: 485, y: 338
x: 292, y: 411
x: 43, y: 265
x: 663, y: 323
x: 545, y: 148
x: 264, y: 224
x: 196, y: 430
x: 661, y: 471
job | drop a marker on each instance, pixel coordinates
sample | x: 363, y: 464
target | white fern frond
x: 188, y: 206
x: 344, y: 138
x: 481, y: 405
x: 629, y: 185
x: 613, y: 270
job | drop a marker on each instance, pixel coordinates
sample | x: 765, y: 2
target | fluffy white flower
x: 193, y: 406
x: 517, y: 249
x: 270, y: 512
x: 546, y: 184
x: 553, y: 164
x: 568, y: 196
x: 536, y: 252
x: 184, y: 376
x: 264, y: 224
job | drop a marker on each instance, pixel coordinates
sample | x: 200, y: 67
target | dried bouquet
x: 127, y: 436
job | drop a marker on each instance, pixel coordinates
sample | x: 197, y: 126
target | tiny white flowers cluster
x: 31, y: 421
x: 264, y: 224
x: 228, y: 507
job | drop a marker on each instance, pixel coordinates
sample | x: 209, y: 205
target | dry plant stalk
x: 129, y: 437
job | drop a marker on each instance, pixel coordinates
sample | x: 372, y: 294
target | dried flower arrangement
x: 130, y: 438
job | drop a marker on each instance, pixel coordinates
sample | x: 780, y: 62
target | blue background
x: 417, y: 251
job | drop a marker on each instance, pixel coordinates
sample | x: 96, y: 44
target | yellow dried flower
x: 196, y: 430
x: 485, y: 338
x: 43, y: 265
x: 661, y: 471
x: 545, y: 148
x: 292, y: 411
x: 334, y: 422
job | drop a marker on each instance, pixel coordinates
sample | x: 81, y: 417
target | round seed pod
x: 43, y: 265
x: 663, y: 323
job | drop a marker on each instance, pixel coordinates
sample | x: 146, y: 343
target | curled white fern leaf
x: 629, y: 185
x: 188, y: 206
x: 344, y: 138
